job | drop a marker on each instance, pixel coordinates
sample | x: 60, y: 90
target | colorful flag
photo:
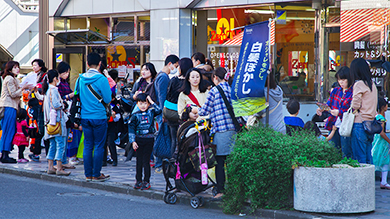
x: 252, y: 70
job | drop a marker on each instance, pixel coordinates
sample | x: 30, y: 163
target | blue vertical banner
x: 252, y: 69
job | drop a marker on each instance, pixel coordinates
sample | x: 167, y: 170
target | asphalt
x: 122, y: 179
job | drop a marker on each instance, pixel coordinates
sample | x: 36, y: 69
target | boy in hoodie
x: 293, y: 122
x: 93, y: 117
x: 141, y: 136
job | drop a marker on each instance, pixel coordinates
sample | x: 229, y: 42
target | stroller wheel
x: 201, y: 200
x: 170, y: 198
x: 195, y: 202
x: 214, y: 191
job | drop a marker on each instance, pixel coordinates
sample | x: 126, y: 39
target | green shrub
x: 260, y: 168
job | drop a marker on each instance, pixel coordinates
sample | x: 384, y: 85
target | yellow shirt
x: 184, y: 100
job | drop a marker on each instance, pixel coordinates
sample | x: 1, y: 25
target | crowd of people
x: 185, y: 90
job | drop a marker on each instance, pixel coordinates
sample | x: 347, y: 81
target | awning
x: 361, y: 24
x: 5, y: 55
x: 236, y: 41
x: 79, y: 36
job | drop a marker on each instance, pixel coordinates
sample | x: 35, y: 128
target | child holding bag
x: 380, y: 150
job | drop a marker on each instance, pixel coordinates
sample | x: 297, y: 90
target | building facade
x: 313, y: 39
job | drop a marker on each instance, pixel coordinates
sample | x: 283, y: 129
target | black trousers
x: 36, y: 148
x: 220, y: 173
x: 21, y: 150
x: 112, y: 135
x: 145, y: 148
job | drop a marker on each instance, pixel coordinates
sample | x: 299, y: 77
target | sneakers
x: 8, y: 160
x: 74, y: 161
x: 145, y: 186
x: 138, y: 185
x: 34, y: 157
x: 152, y: 164
x: 158, y: 170
x: 115, y: 163
x: 101, y: 178
x: 22, y: 160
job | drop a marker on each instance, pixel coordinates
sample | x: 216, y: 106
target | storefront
x: 293, y: 36
x: 122, y: 41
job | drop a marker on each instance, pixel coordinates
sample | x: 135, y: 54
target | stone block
x: 335, y: 190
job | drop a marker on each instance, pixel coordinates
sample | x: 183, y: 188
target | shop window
x: 143, y: 30
x: 123, y: 30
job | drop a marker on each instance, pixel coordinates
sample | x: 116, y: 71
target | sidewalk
x: 123, y: 178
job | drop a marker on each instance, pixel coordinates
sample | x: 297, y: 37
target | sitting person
x: 293, y: 122
x: 312, y: 127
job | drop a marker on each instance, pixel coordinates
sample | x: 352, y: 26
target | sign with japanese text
x: 252, y: 70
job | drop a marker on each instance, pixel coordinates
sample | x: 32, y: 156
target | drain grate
x: 76, y: 194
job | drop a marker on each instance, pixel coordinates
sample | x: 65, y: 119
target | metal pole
x: 269, y: 70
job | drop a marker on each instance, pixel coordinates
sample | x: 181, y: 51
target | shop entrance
x: 75, y: 56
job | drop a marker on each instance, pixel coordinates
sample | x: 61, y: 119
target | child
x: 21, y: 135
x: 112, y: 133
x: 190, y: 113
x: 380, y: 150
x: 141, y: 136
x: 293, y: 122
x: 312, y: 127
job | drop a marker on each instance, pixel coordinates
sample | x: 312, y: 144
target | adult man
x: 93, y: 117
x: 161, y: 88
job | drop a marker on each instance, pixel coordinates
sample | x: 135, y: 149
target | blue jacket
x: 161, y: 88
x: 142, y: 123
x: 91, y: 108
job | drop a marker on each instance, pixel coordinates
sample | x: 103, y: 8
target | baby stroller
x: 186, y: 176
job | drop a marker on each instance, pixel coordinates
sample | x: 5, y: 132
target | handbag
x: 239, y: 123
x: 207, y: 154
x: 100, y: 99
x: 53, y: 129
x: 372, y: 127
x: 75, y: 109
x: 162, y: 145
x: 345, y: 129
x: 169, y: 112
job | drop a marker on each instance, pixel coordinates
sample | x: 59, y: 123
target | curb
x: 183, y: 199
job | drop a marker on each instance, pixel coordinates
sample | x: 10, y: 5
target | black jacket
x: 142, y: 123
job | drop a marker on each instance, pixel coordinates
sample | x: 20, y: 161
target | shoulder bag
x: 53, y: 129
x: 372, y: 127
x: 75, y: 109
x: 239, y: 125
x: 345, y: 129
x: 100, y: 99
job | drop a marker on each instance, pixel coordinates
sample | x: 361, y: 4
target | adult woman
x: 222, y: 124
x: 339, y: 102
x: 36, y: 76
x: 66, y: 93
x: 364, y: 104
x: 173, y: 93
x: 275, y: 106
x: 148, y: 73
x: 53, y: 105
x: 194, y: 91
x: 9, y: 100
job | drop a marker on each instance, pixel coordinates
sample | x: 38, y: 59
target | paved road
x: 30, y: 198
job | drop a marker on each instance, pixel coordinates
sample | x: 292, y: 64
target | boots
x: 6, y: 159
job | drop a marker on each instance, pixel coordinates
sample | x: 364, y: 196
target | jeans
x: 220, y: 173
x: 56, y: 149
x: 361, y: 144
x: 346, y: 147
x: 145, y: 147
x: 95, y: 132
x: 8, y: 125
x: 343, y: 143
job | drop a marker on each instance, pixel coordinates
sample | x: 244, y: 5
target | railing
x: 27, y: 5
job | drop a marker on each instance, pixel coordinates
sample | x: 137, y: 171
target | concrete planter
x: 335, y: 190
